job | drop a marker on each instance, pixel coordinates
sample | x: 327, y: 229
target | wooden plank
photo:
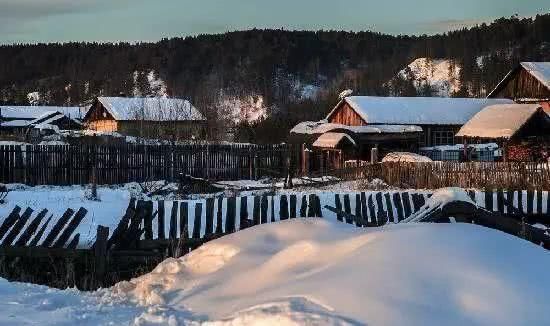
x: 311, y: 210
x: 472, y: 195
x: 219, y: 219
x: 358, y: 211
x: 283, y: 208
x: 338, y: 205
x: 372, y: 212
x: 500, y: 201
x: 389, y: 207
x: 256, y: 211
x: 230, y: 215
x: 57, y: 228
x: 38, y: 236
x: 293, y: 201
x: 347, y: 208
x: 520, y: 201
x: 398, y: 206
x: 243, y: 216
x: 406, y: 204
x: 160, y: 220
x: 197, y: 224
x: 489, y: 200
x: 17, y: 227
x: 184, y: 220
x: 29, y: 231
x: 380, y: 214
x: 173, y: 232
x: 73, y: 224
x: 272, y: 208
x: 9, y: 221
x: 74, y: 242
x: 418, y: 201
x: 263, y: 209
x: 539, y: 202
x: 303, y: 207
x: 530, y: 201
x: 148, y: 219
x: 100, y: 254
x: 364, y: 209
x: 209, y: 226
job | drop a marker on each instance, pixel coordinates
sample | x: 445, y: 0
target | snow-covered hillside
x: 317, y: 272
x: 441, y: 75
x: 149, y: 83
x: 248, y: 108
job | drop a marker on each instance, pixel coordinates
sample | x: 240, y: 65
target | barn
x: 158, y: 118
x: 528, y: 82
x: 522, y: 131
x: 20, y: 119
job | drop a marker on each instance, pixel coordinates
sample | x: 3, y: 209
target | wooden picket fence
x: 69, y: 165
x: 479, y: 175
x: 149, y: 232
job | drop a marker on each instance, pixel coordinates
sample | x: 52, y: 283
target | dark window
x: 443, y: 137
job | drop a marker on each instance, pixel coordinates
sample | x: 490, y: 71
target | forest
x: 297, y: 74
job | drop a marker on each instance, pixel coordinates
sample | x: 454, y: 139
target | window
x: 443, y: 137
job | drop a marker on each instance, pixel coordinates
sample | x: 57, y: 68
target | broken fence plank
x: 73, y: 224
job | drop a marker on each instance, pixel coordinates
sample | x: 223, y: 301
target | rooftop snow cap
x: 332, y: 140
x: 150, y: 109
x: 499, y: 121
x: 35, y: 112
x: 417, y: 110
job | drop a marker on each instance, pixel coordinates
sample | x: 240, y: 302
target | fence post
x: 100, y: 253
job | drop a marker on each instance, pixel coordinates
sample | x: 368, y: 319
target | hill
x: 293, y: 75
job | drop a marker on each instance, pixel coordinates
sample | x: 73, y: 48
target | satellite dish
x: 345, y: 94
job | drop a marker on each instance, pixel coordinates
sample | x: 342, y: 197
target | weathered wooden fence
x: 480, y: 175
x: 150, y: 231
x: 67, y: 165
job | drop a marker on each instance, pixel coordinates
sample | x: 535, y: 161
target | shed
x: 146, y: 117
x: 528, y: 82
x: 515, y: 127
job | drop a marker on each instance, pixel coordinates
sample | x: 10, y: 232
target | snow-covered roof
x: 499, y: 121
x: 15, y: 123
x: 332, y: 139
x: 34, y: 112
x: 539, y: 70
x: 460, y: 147
x: 319, y: 127
x: 150, y: 109
x: 417, y: 110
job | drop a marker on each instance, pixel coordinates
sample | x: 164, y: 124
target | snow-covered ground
x: 313, y: 271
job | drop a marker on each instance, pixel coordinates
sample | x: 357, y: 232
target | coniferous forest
x: 280, y: 66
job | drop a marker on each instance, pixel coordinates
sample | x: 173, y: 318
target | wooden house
x: 529, y: 82
x: 159, y: 118
x: 21, y: 119
x: 521, y: 130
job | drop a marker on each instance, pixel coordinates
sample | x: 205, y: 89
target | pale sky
x: 148, y: 20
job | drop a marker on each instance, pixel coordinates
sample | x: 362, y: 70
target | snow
x: 322, y: 126
x: 35, y: 112
x: 439, y: 74
x: 249, y: 108
x: 439, y: 199
x: 312, y: 271
x: 149, y: 108
x: 539, y: 70
x: 332, y: 139
x: 406, y: 157
x: 499, y: 121
x: 418, y: 110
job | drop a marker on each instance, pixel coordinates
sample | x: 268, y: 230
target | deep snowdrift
x: 317, y: 272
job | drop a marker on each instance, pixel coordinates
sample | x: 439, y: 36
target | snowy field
x: 313, y: 271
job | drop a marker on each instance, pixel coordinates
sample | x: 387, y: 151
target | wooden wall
x: 345, y: 115
x: 522, y: 85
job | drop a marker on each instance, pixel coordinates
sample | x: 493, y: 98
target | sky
x: 31, y: 21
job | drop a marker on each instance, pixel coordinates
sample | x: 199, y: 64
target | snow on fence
x: 149, y: 232
x: 68, y: 165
